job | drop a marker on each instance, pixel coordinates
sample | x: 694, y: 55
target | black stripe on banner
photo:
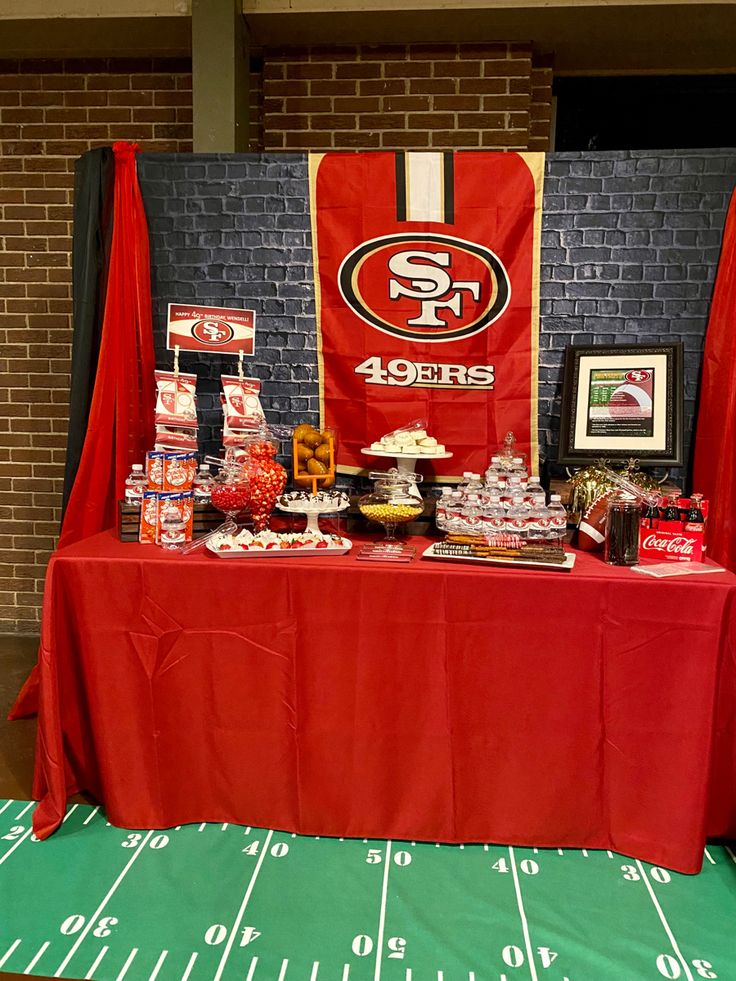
x: 400, y: 186
x: 449, y: 187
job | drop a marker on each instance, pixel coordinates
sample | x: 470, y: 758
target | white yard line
x: 96, y: 963
x: 6, y: 805
x: 665, y: 924
x: 241, y: 911
x: 126, y: 965
x: 20, y: 841
x: 284, y: 965
x: 251, y: 969
x: 28, y: 806
x: 224, y: 827
x: 346, y: 972
x: 733, y: 857
x: 408, y: 974
x: 39, y: 954
x: 190, y: 965
x: 154, y: 973
x: 522, y: 914
x: 471, y: 975
x: 709, y: 857
x: 610, y: 854
x: 315, y: 971
x: 92, y: 921
x: 9, y: 952
x: 382, y: 915
x: 202, y: 826
x: 90, y: 816
x: 69, y: 813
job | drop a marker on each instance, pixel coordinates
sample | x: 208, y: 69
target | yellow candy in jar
x: 391, y: 513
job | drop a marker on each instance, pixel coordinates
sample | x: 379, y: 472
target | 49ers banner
x: 427, y: 286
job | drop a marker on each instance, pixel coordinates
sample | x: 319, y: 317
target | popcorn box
x: 178, y: 472
x: 149, y: 517
x: 155, y: 469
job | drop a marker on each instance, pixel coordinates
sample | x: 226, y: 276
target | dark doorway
x: 645, y: 112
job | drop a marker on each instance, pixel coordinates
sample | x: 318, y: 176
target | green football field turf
x: 215, y: 901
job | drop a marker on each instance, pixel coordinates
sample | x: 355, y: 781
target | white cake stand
x: 406, y: 462
x: 312, y: 509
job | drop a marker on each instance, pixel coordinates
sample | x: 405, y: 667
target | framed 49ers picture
x: 621, y: 401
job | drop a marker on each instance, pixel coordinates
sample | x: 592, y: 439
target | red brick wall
x: 397, y: 96
x: 50, y: 113
x: 540, y: 109
x: 486, y: 95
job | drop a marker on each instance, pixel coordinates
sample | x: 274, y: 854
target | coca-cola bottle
x: 650, y: 516
x: 694, y: 520
x: 670, y: 517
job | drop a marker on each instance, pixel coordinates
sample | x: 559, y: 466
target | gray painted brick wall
x: 630, y: 245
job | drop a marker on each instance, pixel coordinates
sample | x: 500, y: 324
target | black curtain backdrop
x: 93, y: 216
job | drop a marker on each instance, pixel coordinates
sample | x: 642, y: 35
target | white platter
x: 281, y: 553
x: 406, y: 456
x: 565, y: 566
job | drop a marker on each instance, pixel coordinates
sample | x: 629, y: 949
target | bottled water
x: 440, y: 514
x: 462, y: 487
x: 202, y: 485
x: 539, y: 520
x: 173, y: 527
x: 494, y: 469
x: 558, y: 519
x: 474, y: 485
x: 454, y: 514
x: 135, y: 484
x: 535, y: 491
x: 517, y: 517
x: 493, y: 516
x: 472, y: 515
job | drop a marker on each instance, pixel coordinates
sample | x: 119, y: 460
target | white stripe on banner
x: 425, y: 191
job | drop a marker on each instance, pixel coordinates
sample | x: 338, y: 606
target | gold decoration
x: 591, y: 482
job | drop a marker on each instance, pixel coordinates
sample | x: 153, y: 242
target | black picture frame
x: 590, y: 430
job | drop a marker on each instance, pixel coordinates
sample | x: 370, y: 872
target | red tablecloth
x: 428, y: 701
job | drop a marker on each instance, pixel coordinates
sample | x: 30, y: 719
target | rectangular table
x: 429, y: 701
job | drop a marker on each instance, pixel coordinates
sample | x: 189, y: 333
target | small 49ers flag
x: 427, y: 287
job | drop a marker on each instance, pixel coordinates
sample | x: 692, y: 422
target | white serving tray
x: 282, y: 553
x: 406, y: 456
x: 565, y: 566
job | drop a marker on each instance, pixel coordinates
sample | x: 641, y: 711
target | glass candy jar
x: 231, y: 492
x: 623, y: 517
x: 267, y: 479
x: 394, y: 501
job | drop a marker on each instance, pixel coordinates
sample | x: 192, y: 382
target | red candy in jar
x: 267, y: 481
x: 231, y: 494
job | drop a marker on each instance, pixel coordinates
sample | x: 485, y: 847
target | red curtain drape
x: 715, y: 440
x: 120, y: 427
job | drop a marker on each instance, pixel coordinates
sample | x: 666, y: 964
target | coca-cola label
x: 671, y: 546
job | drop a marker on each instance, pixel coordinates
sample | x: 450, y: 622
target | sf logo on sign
x: 214, y: 332
x: 429, y: 284
x: 427, y: 287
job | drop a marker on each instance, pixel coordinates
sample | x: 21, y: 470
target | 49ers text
x: 420, y: 374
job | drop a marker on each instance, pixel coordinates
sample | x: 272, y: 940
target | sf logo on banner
x: 421, y: 288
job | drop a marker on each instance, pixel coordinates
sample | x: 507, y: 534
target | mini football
x: 592, y: 527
